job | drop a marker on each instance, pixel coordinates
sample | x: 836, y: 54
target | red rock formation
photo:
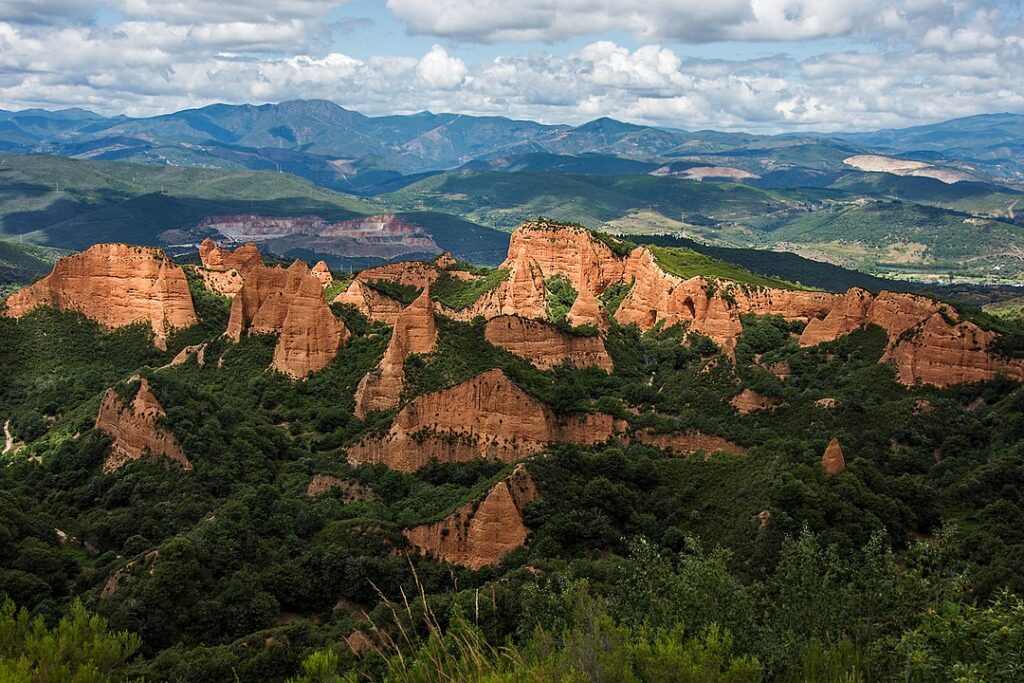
x: 833, y: 461
x: 135, y: 430
x: 370, y: 302
x: 748, y: 401
x: 522, y: 293
x: 290, y: 303
x: 689, y: 442
x: 781, y: 369
x: 826, y: 403
x: 115, y: 285
x: 445, y: 261
x: 588, y: 310
x: 243, y: 259
x: 322, y: 273
x: 576, y: 253
x: 415, y: 332
x: 544, y: 345
x: 199, y: 351
x: 351, y: 491
x: 409, y: 273
x: 479, y: 535
x: 487, y: 417
x: 224, y: 282
x: 940, y: 353
x: 894, y: 313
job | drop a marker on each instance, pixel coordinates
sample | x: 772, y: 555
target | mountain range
x: 348, y: 151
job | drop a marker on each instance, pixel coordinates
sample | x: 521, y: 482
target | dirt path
x: 8, y: 437
x: 1009, y: 210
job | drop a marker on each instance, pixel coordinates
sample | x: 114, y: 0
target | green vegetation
x: 396, y: 290
x: 640, y: 566
x: 79, y: 648
x: 687, y: 264
x: 459, y: 294
x: 560, y: 297
x: 22, y: 263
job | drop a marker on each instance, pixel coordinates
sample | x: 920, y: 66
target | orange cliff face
x: 243, y: 259
x: 479, y: 535
x: 322, y: 273
x: 521, y: 293
x: 942, y: 354
x: 486, y: 417
x: 894, y: 313
x: 574, y: 252
x: 135, y: 429
x: 224, y: 271
x: 832, y: 461
x: 290, y: 303
x: 544, y: 345
x: 115, y: 285
x: 370, y: 302
x: 415, y: 332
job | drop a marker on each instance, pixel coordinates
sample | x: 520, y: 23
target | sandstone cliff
x: 415, y: 331
x: 224, y: 282
x: 748, y: 401
x: 115, y: 285
x: 351, y: 491
x: 832, y: 461
x: 370, y: 302
x: 243, y: 259
x: 486, y: 417
x: 288, y: 302
x: 479, y: 535
x: 894, y: 313
x: 689, y: 442
x: 544, y: 345
x: 942, y: 353
x: 574, y: 252
x: 322, y: 273
x: 135, y: 429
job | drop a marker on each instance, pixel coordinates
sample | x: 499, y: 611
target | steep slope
x: 487, y: 417
x: 415, y: 331
x: 480, y: 533
x: 544, y: 345
x: 135, y: 429
x: 290, y: 303
x: 115, y: 285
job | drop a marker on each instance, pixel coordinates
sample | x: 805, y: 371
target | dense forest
x: 640, y: 566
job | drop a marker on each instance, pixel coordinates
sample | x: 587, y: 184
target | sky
x: 756, y: 65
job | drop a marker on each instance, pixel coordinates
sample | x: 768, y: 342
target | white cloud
x: 906, y: 62
x: 439, y: 70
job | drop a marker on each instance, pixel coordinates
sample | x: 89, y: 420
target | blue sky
x: 758, y: 65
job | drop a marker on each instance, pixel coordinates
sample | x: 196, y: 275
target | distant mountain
x: 345, y: 150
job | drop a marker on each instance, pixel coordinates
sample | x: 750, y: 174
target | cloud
x: 46, y: 12
x: 903, y: 62
x: 439, y: 70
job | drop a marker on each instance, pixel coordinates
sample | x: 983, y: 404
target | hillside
x: 700, y: 468
x: 73, y: 204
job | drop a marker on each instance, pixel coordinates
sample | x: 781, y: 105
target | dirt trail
x: 8, y: 437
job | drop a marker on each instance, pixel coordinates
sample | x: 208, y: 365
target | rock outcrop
x: 415, y: 331
x: 480, y: 534
x: 115, y: 285
x: 199, y: 351
x: 832, y: 461
x: 351, y: 491
x: 224, y: 282
x: 521, y: 293
x: 942, y: 353
x: 688, y: 442
x: 588, y: 310
x: 289, y: 303
x: 486, y: 417
x: 573, y: 252
x: 748, y: 401
x: 416, y: 274
x: 370, y: 302
x: 544, y: 345
x: 322, y: 273
x: 243, y: 259
x: 135, y: 429
x: 894, y: 313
